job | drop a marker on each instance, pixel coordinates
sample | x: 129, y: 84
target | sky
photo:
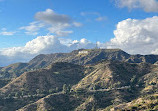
x: 32, y: 27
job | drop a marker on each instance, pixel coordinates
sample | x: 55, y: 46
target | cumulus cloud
x: 41, y: 45
x: 136, y: 36
x: 57, y: 24
x: 83, y: 43
x: 146, y: 5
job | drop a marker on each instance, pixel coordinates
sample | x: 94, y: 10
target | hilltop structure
x: 83, y: 52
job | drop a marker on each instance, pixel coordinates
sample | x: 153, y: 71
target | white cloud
x: 41, y: 45
x: 7, y: 33
x: 155, y: 51
x: 83, y: 43
x: 57, y: 24
x: 136, y: 36
x: 32, y: 28
x: 146, y: 5
x: 31, y: 33
x: 63, y: 33
x: 77, y: 24
x: 50, y: 17
x: 59, y: 29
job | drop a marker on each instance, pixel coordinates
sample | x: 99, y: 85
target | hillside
x: 144, y: 103
x: 54, y: 102
x: 4, y: 82
x: 110, y: 85
x: 80, y: 57
x: 39, y: 83
x: 114, y: 74
x: 55, y: 76
x: 67, y: 87
x: 13, y: 70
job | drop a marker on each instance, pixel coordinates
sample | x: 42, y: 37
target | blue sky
x: 25, y: 24
x: 18, y: 13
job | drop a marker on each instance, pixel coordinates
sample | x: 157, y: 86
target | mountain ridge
x: 87, y: 56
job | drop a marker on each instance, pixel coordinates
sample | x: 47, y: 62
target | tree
x: 57, y: 89
x: 51, y: 91
x: 133, y: 80
x: 93, y: 109
x: 37, y: 91
x: 64, y: 88
x: 9, y: 96
x: 153, y: 83
x: 17, y: 94
x: 22, y: 93
x: 94, y: 87
x: 68, y: 88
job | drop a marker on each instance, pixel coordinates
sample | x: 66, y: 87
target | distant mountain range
x: 83, y: 80
x: 80, y: 57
